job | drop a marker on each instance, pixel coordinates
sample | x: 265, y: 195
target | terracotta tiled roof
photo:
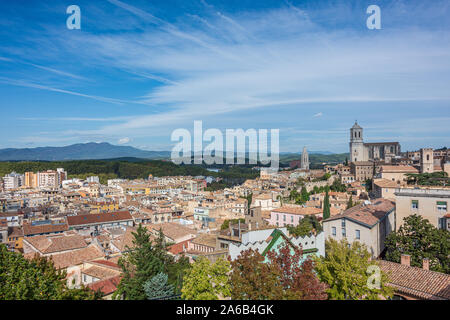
x: 52, y: 244
x: 369, y: 214
x: 418, y: 282
x: 101, y: 272
x: 405, y: 169
x: 86, y: 219
x: 15, y: 232
x: 73, y: 258
x: 172, y: 230
x: 298, y: 210
x: 385, y: 183
x: 106, y: 286
x: 29, y: 229
x: 125, y: 240
x: 208, y: 240
x: 179, y: 247
x: 108, y: 263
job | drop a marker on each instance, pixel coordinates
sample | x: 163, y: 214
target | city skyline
x: 136, y: 71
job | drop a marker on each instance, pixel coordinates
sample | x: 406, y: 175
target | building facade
x: 430, y: 203
x: 376, y: 151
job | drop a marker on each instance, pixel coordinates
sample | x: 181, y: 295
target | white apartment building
x: 13, y: 181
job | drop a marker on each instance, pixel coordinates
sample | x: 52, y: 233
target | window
x: 415, y: 204
x: 343, y: 224
x: 284, y: 217
x: 333, y: 231
x: 343, y: 232
x: 358, y: 234
x: 441, y: 223
x: 441, y: 206
x: 292, y: 218
x: 278, y: 217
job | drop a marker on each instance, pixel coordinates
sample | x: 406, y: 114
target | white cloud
x: 231, y: 63
x: 123, y: 140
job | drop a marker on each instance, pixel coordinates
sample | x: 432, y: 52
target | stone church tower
x: 304, y: 163
x: 356, y: 144
x: 426, y: 160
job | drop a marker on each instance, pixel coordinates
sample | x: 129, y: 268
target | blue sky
x: 137, y: 70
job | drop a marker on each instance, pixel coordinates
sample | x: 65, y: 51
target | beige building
x: 368, y: 223
x: 30, y: 180
x: 384, y: 188
x: 362, y: 170
x: 396, y: 173
x: 430, y: 203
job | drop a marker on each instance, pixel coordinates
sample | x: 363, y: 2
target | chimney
x: 406, y: 259
x: 426, y: 264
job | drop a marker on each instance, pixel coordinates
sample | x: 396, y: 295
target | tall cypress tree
x: 326, y: 206
x: 350, y: 202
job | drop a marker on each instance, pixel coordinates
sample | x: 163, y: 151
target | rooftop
x: 298, y: 210
x: 421, y: 283
x: 84, y: 219
x: 367, y: 214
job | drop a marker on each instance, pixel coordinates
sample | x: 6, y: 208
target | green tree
x: 346, y: 270
x: 306, y: 226
x: 36, y: 279
x: 326, y: 206
x: 176, y: 271
x: 140, y: 263
x: 304, y: 195
x: 420, y: 239
x: 158, y: 287
x: 350, y: 202
x: 226, y: 224
x: 207, y: 281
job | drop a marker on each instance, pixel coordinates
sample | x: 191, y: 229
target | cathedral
x: 375, y: 151
x: 304, y: 162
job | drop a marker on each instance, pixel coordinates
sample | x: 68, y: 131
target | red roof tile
x: 86, y: 219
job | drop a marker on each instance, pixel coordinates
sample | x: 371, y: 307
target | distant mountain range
x: 309, y: 152
x: 81, y: 151
x: 97, y: 151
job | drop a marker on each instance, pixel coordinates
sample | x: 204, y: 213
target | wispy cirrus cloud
x: 215, y: 65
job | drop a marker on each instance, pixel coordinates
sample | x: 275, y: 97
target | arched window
x: 428, y: 157
x: 359, y: 134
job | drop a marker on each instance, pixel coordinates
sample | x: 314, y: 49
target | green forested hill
x: 316, y: 159
x: 129, y: 168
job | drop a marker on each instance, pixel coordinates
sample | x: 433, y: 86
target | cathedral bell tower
x: 356, y: 143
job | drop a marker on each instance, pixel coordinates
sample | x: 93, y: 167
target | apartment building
x: 429, y: 202
x: 51, y: 178
x: 368, y: 223
x: 13, y: 181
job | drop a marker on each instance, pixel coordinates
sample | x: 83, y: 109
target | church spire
x: 304, y: 162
